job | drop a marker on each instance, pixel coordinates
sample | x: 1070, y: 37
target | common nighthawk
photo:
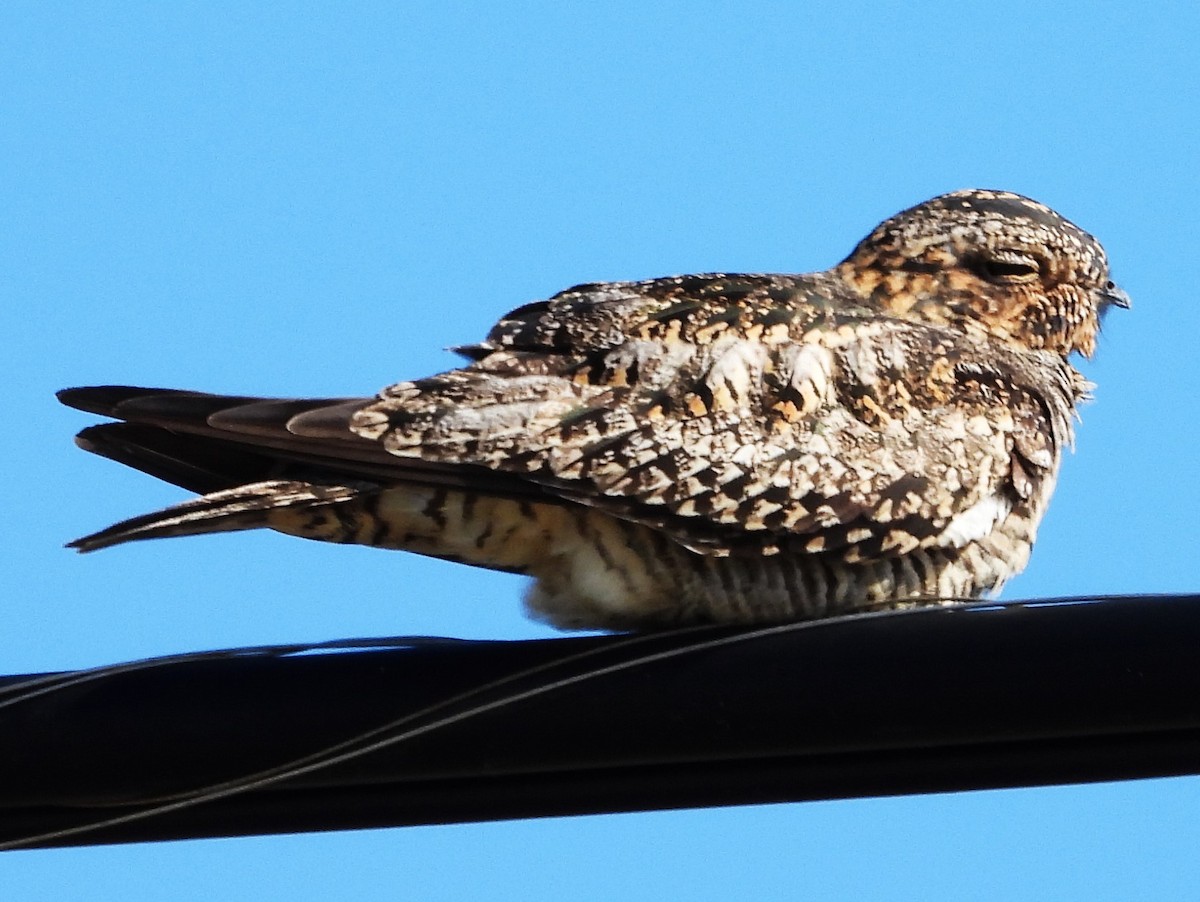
x: 719, y: 447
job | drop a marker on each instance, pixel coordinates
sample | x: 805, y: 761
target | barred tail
x: 245, y: 507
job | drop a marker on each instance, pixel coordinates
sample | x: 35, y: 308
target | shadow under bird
x: 730, y: 448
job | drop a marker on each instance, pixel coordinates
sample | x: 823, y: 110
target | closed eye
x: 1006, y: 267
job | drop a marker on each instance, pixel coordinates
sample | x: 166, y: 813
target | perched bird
x: 719, y: 447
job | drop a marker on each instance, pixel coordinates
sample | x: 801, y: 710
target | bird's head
x: 990, y: 262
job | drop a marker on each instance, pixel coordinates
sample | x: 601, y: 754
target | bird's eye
x: 1006, y: 267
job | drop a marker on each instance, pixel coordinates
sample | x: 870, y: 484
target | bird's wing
x: 209, y: 443
x: 745, y: 413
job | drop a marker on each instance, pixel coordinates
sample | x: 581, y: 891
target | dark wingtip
x: 94, y: 541
x: 105, y: 538
x: 101, y: 399
x: 98, y: 440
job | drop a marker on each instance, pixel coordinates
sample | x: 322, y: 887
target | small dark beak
x: 1114, y: 296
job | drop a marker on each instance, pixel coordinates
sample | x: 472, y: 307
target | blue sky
x: 301, y: 199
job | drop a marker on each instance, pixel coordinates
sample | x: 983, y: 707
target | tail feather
x: 276, y: 463
x: 244, y: 507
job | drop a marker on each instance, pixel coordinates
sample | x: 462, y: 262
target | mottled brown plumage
x: 741, y: 448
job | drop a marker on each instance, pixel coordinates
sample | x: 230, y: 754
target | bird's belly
x: 610, y: 574
x: 595, y: 571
